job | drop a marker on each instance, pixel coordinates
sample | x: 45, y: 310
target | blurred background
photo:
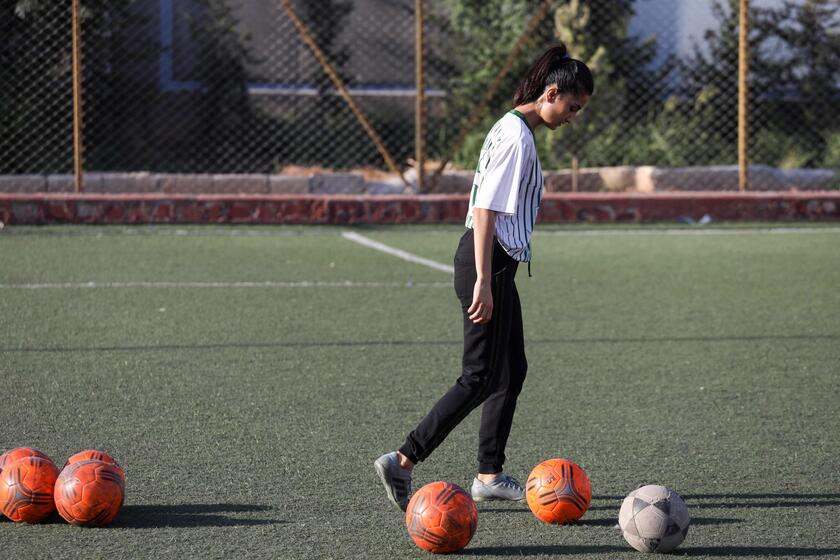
x: 229, y: 86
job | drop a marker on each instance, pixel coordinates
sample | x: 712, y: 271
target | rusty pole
x: 78, y: 147
x: 743, y: 96
x: 420, y: 98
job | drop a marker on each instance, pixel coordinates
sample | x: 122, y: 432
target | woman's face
x: 558, y: 109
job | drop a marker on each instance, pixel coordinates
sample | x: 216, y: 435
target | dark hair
x: 554, y: 67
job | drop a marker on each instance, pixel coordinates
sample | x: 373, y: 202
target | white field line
x: 686, y: 232
x: 269, y: 284
x: 399, y: 253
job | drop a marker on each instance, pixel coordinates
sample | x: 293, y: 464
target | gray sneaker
x: 397, y: 480
x: 504, y: 487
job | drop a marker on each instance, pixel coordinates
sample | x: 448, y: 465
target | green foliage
x: 483, y: 33
x: 832, y: 151
x: 224, y: 115
x: 632, y: 118
x: 479, y: 37
x: 794, y: 72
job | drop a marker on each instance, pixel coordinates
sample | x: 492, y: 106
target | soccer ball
x: 94, y: 455
x: 90, y: 493
x: 441, y: 517
x: 654, y: 519
x: 26, y: 489
x: 13, y: 455
x: 558, y: 491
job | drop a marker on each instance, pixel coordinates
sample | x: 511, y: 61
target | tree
x: 225, y: 113
x: 806, y: 77
x: 627, y: 88
x: 482, y: 34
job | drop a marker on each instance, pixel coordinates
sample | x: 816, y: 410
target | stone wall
x: 181, y: 208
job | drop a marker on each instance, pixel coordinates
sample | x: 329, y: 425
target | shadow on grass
x: 190, y: 515
x: 733, y: 551
x: 613, y: 521
x: 739, y: 501
x: 762, y: 551
x: 365, y: 343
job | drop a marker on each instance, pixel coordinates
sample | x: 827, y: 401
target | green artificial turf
x: 248, y: 418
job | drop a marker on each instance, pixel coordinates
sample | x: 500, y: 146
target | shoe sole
x: 382, y: 471
x: 495, y: 499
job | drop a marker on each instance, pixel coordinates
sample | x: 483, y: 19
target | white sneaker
x: 397, y: 480
x: 503, y: 487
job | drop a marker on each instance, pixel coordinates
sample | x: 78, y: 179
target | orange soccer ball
x: 26, y: 489
x: 94, y: 455
x: 13, y: 455
x: 441, y: 517
x: 90, y: 493
x: 558, y: 491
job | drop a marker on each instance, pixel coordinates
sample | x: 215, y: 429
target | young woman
x: 503, y: 207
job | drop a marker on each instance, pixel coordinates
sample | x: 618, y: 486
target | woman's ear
x: 550, y: 94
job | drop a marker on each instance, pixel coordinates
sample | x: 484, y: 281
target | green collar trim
x: 521, y: 116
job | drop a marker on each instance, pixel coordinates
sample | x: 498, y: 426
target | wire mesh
x: 36, y: 96
x: 218, y: 86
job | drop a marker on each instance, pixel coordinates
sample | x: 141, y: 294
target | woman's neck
x: 531, y: 113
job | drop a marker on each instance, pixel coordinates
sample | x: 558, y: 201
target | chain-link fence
x: 228, y: 86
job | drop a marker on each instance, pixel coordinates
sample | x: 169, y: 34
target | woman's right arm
x: 484, y: 228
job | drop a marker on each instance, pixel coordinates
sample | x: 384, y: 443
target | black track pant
x: 494, y: 365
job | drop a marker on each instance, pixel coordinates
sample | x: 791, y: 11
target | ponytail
x: 554, y: 67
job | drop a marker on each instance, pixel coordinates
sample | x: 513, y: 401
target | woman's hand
x: 481, y: 310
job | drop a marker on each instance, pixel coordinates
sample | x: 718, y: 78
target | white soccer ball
x: 654, y: 519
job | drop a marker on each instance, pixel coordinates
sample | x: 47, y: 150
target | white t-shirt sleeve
x: 500, y: 179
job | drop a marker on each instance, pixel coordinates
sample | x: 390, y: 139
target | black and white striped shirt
x: 509, y: 180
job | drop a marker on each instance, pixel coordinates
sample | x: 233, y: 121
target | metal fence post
x: 420, y: 98
x: 342, y: 90
x: 77, y: 97
x: 743, y: 95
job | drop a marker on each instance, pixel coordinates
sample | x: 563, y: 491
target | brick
x: 346, y: 211
x: 91, y: 182
x: 454, y: 182
x: 61, y: 183
x: 240, y: 212
x: 162, y: 212
x: 136, y: 214
x: 714, y: 178
x: 126, y: 183
x: 5, y: 213
x: 617, y: 179
x: 87, y: 211
x: 215, y: 212
x: 337, y: 184
x: 60, y: 211
x: 393, y: 186
x: 557, y: 181
x: 185, y: 183
x: 239, y: 183
x: 113, y: 213
x: 809, y: 179
x: 588, y: 180
x: 26, y: 213
x: 189, y: 212
x: 644, y: 179
x: 288, y: 184
x: 23, y: 183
